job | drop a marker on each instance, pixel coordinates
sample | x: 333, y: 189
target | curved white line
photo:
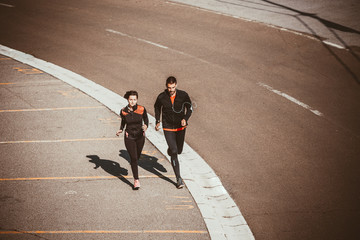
x: 156, y: 44
x: 220, y: 213
x: 292, y: 99
x: 6, y: 5
x: 139, y: 39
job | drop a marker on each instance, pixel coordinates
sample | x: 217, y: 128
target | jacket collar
x: 167, y: 92
x: 134, y: 108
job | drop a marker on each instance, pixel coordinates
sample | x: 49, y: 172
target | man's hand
x: 157, y: 126
x: 183, y: 122
x: 118, y: 132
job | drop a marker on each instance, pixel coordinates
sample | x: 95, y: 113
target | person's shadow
x: 150, y: 164
x: 110, y: 167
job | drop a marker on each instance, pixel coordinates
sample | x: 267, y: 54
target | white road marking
x: 157, y: 45
x: 139, y: 39
x: 220, y: 213
x: 71, y: 192
x: 6, y: 5
x: 294, y: 100
x: 333, y: 44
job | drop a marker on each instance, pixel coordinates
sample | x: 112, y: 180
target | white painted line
x: 157, y: 45
x: 334, y: 45
x: 221, y: 214
x: 6, y: 5
x: 139, y: 39
x: 288, y: 97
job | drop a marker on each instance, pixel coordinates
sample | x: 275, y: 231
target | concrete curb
x: 221, y: 215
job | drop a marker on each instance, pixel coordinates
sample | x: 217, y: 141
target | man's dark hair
x: 131, y: 93
x: 171, y: 80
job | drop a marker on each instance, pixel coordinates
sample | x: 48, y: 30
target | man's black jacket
x: 173, y: 114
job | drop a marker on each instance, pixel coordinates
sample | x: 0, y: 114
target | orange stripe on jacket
x: 139, y: 110
x: 124, y: 113
x: 174, y: 130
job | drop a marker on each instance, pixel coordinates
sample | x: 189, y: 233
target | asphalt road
x: 293, y: 174
x: 334, y: 22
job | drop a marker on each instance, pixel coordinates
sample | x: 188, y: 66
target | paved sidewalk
x: 65, y: 175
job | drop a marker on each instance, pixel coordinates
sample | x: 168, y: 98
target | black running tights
x: 175, y: 141
x: 134, y: 148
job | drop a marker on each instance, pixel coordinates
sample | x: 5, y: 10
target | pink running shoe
x: 136, y: 184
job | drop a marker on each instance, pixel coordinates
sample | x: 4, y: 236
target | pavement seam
x: 220, y: 213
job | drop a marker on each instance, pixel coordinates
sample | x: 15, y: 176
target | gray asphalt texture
x: 79, y: 177
x: 294, y: 175
x: 336, y: 22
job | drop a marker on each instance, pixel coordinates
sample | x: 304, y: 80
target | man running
x: 176, y: 109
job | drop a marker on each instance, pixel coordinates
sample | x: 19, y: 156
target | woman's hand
x: 144, y: 127
x: 119, y: 132
x: 183, y: 122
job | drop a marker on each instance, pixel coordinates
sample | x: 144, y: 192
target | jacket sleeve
x: 157, y: 107
x: 123, y: 121
x: 188, y: 107
x: 145, y: 118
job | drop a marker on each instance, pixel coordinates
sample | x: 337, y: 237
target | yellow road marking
x: 74, y: 93
x: 49, y: 109
x: 174, y: 231
x: 61, y: 141
x: 179, y: 207
x: 28, y: 70
x: 34, y: 82
x: 152, y: 152
x: 86, y: 177
x: 4, y: 58
x: 105, y: 232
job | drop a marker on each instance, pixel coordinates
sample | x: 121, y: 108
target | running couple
x: 175, y: 107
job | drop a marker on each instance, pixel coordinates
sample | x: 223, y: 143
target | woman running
x: 136, y: 120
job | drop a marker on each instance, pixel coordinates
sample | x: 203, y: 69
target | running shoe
x: 136, y: 184
x: 180, y: 183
